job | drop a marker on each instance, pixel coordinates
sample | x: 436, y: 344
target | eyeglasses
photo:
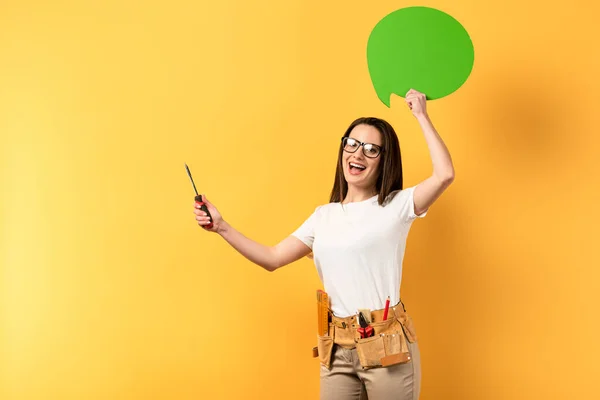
x: 369, y: 149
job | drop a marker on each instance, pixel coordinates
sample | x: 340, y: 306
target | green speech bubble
x: 418, y: 48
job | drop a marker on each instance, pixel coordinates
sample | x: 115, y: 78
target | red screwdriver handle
x: 203, y: 207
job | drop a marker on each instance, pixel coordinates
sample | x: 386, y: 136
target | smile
x: 356, y: 168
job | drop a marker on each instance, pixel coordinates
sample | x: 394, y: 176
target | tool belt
x: 388, y: 346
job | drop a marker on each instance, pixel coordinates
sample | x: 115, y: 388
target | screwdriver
x: 198, y: 199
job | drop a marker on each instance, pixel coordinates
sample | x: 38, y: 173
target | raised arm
x: 429, y: 190
x: 270, y: 258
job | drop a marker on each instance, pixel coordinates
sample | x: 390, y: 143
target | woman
x: 358, y: 242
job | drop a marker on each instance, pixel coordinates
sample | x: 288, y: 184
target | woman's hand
x: 416, y: 102
x: 203, y: 220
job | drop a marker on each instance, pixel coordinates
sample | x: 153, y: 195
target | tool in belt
x: 365, y: 329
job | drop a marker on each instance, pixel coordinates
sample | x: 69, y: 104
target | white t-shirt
x: 358, y: 249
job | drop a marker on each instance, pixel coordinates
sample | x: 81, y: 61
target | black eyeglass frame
x: 361, y: 144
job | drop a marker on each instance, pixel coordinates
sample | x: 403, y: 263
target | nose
x: 358, y: 154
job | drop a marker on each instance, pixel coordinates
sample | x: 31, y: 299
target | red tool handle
x: 203, y: 207
x: 366, y: 332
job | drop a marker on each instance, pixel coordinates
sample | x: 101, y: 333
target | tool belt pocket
x: 387, y: 347
x: 324, y: 348
x: 408, y: 326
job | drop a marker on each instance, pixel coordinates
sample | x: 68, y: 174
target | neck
x: 356, y: 194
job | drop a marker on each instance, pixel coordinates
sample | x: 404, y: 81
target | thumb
x: 205, y: 200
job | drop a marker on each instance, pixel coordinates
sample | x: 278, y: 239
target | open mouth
x: 356, y: 168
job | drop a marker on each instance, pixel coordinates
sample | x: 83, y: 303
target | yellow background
x: 110, y: 291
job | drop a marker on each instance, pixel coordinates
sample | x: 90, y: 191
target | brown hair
x: 389, y: 177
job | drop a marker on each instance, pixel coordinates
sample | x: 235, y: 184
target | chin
x: 356, y: 181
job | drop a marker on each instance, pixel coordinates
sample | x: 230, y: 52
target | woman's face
x: 362, y: 170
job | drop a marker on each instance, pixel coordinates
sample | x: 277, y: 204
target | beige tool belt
x: 388, y: 346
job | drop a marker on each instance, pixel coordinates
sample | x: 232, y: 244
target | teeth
x: 357, y: 166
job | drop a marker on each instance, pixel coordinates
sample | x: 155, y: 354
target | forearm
x: 259, y: 254
x: 440, y: 156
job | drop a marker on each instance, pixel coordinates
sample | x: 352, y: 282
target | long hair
x: 389, y: 177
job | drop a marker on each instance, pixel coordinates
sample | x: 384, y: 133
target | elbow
x: 446, y: 178
x: 273, y: 264
x: 447, y: 181
x: 270, y: 268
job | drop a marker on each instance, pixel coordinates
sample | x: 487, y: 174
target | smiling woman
x: 365, y: 171
x: 357, y: 242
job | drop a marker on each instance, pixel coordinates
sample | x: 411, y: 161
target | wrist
x: 422, y: 116
x: 223, y: 228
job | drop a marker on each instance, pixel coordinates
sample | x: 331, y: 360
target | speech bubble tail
x: 385, y: 98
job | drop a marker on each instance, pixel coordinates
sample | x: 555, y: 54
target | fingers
x: 413, y: 98
x: 202, y: 218
x: 414, y: 92
x: 202, y: 221
x: 198, y: 211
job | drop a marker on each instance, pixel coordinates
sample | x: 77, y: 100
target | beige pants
x: 348, y: 381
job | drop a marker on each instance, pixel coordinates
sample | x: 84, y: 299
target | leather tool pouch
x: 387, y: 347
x: 324, y: 347
x: 407, y: 325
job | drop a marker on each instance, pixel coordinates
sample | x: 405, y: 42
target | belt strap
x: 376, y: 316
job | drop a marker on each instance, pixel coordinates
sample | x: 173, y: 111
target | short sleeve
x: 306, y: 231
x: 404, y: 205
